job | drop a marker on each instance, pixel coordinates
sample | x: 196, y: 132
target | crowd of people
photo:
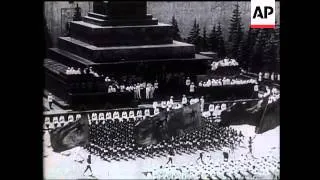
x: 244, y: 167
x: 141, y: 90
x: 223, y: 63
x: 59, y: 121
x: 269, y: 76
x: 191, y: 87
x: 114, y: 140
x: 79, y: 71
x: 225, y: 82
x: 273, y: 94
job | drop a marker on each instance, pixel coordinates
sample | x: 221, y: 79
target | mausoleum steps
x: 119, y: 22
x: 105, y: 17
x: 55, y: 67
x: 121, y: 35
x: 121, y: 53
x: 96, y: 15
x: 68, y: 58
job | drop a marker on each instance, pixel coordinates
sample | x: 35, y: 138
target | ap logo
x: 263, y: 13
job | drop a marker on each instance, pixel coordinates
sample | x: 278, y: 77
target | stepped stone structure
x: 118, y: 38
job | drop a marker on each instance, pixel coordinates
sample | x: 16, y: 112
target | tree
x: 246, y: 49
x: 204, y: 38
x: 175, y: 28
x: 221, y: 50
x: 258, y: 56
x: 213, y: 41
x: 235, y: 32
x: 271, y: 50
x: 194, y: 36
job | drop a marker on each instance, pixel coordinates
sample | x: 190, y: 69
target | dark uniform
x: 201, y: 155
x: 88, y: 164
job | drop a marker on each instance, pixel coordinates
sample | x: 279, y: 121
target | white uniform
x: 108, y: 115
x: 148, y: 92
x: 151, y: 91
x: 184, y: 100
x: 192, y: 88
x: 139, y: 113
x: 146, y: 112
x: 202, y: 104
x: 156, y: 111
x: 78, y: 116
x: 50, y: 98
x: 138, y: 91
x: 131, y: 114
x: 124, y: 115
x: 211, y: 108
x: 155, y: 104
x: 70, y: 118
x: 188, y: 81
x: 116, y: 115
x: 56, y: 121
x: 47, y: 123
x: 101, y: 116
x: 163, y: 104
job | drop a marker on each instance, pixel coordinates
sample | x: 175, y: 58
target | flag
x: 270, y: 118
x: 260, y: 113
x: 167, y: 124
x: 242, y: 113
x: 71, y: 135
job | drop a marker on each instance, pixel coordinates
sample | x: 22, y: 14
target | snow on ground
x: 64, y: 166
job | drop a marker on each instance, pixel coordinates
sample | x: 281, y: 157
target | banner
x: 263, y: 115
x: 71, y: 135
x: 270, y: 119
x: 167, y: 124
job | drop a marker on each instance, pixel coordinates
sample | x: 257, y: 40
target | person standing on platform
x: 184, y: 100
x: 188, y: 81
x: 156, y: 88
x: 192, y: 88
x: 152, y: 89
x: 122, y: 88
x: 135, y: 91
x: 272, y: 77
x: 171, y: 100
x: 211, y: 109
x: 155, y: 104
x: 148, y: 91
x: 202, y: 103
x: 260, y: 76
x: 50, y: 100
x: 256, y: 90
x: 138, y: 91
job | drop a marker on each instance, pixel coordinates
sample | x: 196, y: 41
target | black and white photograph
x: 161, y: 90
